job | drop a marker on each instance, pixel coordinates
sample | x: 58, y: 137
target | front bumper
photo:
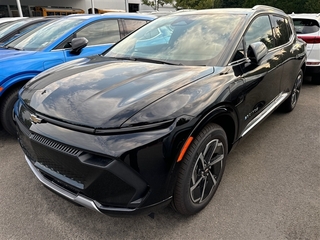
x: 89, y: 203
x: 79, y: 199
x: 81, y: 167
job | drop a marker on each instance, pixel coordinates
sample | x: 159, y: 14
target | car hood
x: 104, y: 94
x: 11, y: 53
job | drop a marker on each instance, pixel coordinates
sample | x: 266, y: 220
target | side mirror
x: 77, y: 44
x: 256, y: 51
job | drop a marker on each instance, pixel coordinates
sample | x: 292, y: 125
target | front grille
x: 56, y: 145
x: 64, y: 163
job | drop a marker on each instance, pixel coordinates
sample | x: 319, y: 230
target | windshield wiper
x: 18, y: 49
x: 121, y: 58
x: 145, y: 60
x: 156, y: 61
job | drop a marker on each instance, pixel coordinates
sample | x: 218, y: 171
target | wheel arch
x: 226, y: 117
x: 16, y: 81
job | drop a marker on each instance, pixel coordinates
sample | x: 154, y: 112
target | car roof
x: 10, y: 19
x: 112, y: 15
x: 27, y: 20
x: 246, y: 11
x: 306, y: 15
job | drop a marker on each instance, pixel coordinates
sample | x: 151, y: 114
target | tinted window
x: 281, y: 32
x: 132, y: 25
x: 305, y: 26
x: 289, y: 24
x: 260, y: 31
x: 101, y: 32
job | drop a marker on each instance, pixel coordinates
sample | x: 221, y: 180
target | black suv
x: 151, y: 121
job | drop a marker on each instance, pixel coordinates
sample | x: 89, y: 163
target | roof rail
x: 265, y: 7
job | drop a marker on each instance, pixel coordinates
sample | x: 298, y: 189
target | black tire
x: 201, y: 170
x: 6, y: 108
x: 290, y: 103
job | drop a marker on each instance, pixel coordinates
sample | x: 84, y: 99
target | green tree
x: 288, y: 6
x: 195, y: 4
x: 312, y: 6
x: 231, y: 3
x: 155, y: 4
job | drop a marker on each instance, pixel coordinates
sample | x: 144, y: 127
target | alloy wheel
x: 206, y: 171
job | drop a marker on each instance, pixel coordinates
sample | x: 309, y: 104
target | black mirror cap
x: 77, y: 44
x: 256, y: 51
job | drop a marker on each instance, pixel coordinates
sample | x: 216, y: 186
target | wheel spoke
x: 203, y: 161
x: 196, y: 187
x: 197, y: 183
x: 217, y: 159
x: 203, y: 190
x: 213, y: 179
x: 210, y: 150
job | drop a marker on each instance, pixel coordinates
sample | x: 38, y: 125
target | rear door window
x: 101, y: 32
x: 132, y: 24
x: 305, y: 26
x: 282, y: 31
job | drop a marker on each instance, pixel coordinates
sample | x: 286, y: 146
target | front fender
x: 223, y: 115
x: 16, y: 79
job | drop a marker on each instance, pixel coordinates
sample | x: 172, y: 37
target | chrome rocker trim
x: 79, y: 199
x: 266, y: 112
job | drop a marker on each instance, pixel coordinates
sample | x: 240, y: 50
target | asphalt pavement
x: 270, y: 190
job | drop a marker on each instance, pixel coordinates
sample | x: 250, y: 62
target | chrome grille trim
x: 79, y: 199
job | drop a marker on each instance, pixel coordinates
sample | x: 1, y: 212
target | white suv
x: 307, y: 27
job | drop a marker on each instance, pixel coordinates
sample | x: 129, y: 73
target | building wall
x: 85, y: 4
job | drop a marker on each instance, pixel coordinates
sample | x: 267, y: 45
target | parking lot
x: 270, y: 190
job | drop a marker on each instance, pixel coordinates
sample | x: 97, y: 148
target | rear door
x: 262, y: 80
x: 290, y: 49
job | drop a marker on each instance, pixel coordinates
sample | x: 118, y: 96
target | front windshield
x: 38, y: 39
x: 180, y: 39
x: 9, y: 27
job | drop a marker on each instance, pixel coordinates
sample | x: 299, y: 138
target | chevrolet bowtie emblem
x: 35, y: 119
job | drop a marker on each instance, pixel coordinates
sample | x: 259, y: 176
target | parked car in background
x: 15, y: 29
x: 142, y: 126
x: 10, y: 19
x: 307, y: 27
x: 68, y: 38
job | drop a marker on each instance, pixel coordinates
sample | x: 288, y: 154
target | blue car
x: 66, y: 39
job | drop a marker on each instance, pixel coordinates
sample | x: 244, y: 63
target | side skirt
x: 265, y: 113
